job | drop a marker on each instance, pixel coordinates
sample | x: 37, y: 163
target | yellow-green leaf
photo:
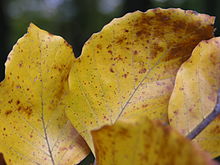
x: 34, y: 128
x: 130, y: 66
x: 138, y: 141
x: 195, y: 94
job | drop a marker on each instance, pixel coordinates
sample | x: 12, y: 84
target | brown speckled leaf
x: 34, y: 128
x: 130, y: 66
x: 138, y: 141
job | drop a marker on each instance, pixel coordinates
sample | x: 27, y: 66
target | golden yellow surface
x: 195, y: 94
x: 130, y: 66
x: 138, y: 141
x: 34, y: 128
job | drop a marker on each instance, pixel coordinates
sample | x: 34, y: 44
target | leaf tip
x: 32, y: 26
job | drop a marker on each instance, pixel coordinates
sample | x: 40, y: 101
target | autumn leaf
x: 195, y: 95
x: 138, y: 141
x: 34, y: 128
x: 130, y: 66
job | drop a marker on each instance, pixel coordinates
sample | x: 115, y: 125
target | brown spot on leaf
x: 144, y: 106
x: 99, y: 46
x: 20, y: 65
x: 17, y: 102
x: 213, y: 59
x: 143, y: 70
x: 8, y: 112
x: 121, y: 39
x: 135, y: 52
x: 110, y: 51
x: 118, y: 58
x: 64, y: 78
x: 59, y: 92
x: 178, y: 25
x: 139, y: 33
x: 124, y: 75
x: 124, y: 132
x: 155, y: 50
x: 182, y: 50
x: 25, y: 109
x: 161, y: 16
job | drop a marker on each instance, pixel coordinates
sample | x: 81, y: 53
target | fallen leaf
x: 195, y: 94
x: 138, y: 141
x: 34, y: 128
x: 130, y: 66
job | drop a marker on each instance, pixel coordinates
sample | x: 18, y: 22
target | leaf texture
x: 34, y: 128
x: 195, y: 95
x: 138, y: 141
x: 130, y: 66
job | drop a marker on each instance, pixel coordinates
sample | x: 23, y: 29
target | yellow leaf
x: 138, y: 141
x: 129, y: 67
x: 195, y: 94
x: 34, y: 128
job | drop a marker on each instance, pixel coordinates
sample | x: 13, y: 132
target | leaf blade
x: 131, y: 57
x: 195, y: 95
x: 35, y: 129
x: 141, y: 141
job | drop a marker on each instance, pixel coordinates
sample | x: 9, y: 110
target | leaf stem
x: 206, y: 121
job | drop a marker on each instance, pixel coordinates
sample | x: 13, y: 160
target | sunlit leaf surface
x: 34, y: 128
x: 130, y: 66
x: 195, y: 95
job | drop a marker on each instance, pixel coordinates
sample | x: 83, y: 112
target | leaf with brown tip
x: 130, y: 66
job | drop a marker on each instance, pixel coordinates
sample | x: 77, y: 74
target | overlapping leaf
x: 138, y: 141
x: 34, y: 128
x: 130, y: 66
x: 195, y: 94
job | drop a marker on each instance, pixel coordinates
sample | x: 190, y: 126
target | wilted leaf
x: 195, y: 94
x: 138, y: 141
x: 34, y: 128
x: 129, y: 67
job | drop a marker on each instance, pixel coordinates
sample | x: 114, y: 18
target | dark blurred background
x: 76, y: 20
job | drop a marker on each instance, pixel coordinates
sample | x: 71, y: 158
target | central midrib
x: 42, y: 106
